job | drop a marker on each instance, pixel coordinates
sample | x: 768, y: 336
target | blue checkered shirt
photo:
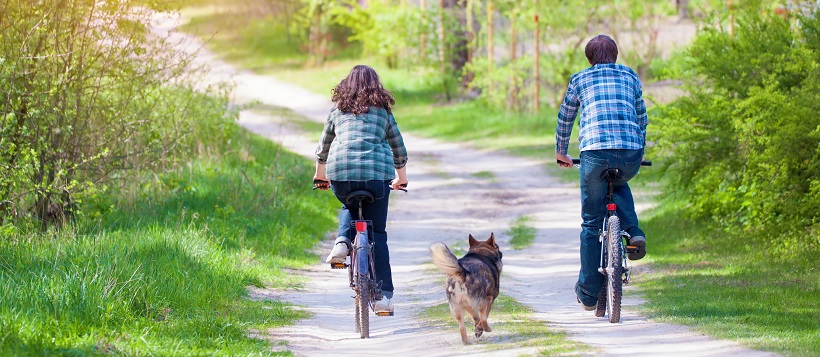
x: 613, y: 113
x: 361, y: 147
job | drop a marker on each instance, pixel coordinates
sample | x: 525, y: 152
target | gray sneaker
x: 385, y: 305
x: 640, y: 244
x: 339, y: 253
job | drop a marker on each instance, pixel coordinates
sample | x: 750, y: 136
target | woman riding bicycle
x: 362, y: 149
x: 613, y: 135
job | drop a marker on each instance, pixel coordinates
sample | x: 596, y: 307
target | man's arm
x: 640, y: 109
x: 566, y: 118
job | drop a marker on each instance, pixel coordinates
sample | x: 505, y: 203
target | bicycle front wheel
x: 363, y: 305
x: 614, y: 269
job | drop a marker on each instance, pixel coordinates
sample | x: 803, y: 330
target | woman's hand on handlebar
x: 563, y: 160
x: 399, y: 184
x: 321, y: 183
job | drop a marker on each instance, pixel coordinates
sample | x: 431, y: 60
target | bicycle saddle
x: 611, y: 174
x: 357, y: 195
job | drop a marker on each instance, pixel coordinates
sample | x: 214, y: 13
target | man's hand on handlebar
x: 563, y: 160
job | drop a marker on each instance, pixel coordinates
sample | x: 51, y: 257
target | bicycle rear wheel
x: 614, y: 269
x: 363, y: 305
x: 600, y: 308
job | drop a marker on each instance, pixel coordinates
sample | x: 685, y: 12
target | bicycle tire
x: 615, y: 269
x: 600, y: 308
x: 363, y: 304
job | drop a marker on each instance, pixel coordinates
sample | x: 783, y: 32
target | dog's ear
x: 491, y: 241
x: 472, y: 241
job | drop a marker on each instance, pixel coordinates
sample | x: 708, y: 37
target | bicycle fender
x: 362, y: 264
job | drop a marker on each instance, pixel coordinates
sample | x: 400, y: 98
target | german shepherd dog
x: 472, y: 281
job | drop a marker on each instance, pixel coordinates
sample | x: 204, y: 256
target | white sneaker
x: 383, y: 305
x: 338, y: 254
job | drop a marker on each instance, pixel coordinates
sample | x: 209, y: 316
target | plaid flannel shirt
x: 361, y: 147
x: 613, y: 113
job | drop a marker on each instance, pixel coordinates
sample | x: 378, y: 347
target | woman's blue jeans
x: 375, y: 212
x: 593, y: 211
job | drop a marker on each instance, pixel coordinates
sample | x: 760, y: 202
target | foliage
x: 164, y: 269
x: 744, y: 146
x: 383, y: 30
x: 564, y: 29
x: 89, y: 95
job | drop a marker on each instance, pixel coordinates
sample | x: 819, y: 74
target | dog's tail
x: 445, y: 261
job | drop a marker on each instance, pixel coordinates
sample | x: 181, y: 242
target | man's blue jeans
x: 375, y: 212
x: 593, y: 211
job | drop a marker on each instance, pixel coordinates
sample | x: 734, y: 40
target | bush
x: 744, y: 146
x: 89, y: 94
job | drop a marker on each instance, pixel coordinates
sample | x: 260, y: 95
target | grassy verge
x: 512, y: 326
x: 729, y: 286
x: 166, y: 272
x: 521, y: 235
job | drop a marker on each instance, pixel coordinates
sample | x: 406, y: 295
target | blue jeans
x: 593, y: 211
x: 375, y: 212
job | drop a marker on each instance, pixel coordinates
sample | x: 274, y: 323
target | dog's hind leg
x: 458, y: 314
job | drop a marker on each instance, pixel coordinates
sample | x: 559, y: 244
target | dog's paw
x: 478, y: 332
x: 487, y: 328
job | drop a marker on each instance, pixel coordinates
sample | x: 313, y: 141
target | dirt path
x: 448, y: 200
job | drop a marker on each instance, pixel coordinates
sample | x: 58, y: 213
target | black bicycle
x: 361, y: 269
x: 613, y: 264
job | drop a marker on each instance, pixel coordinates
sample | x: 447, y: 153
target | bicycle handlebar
x: 578, y: 162
x: 317, y: 183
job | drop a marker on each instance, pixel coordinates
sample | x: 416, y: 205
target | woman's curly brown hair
x: 360, y: 90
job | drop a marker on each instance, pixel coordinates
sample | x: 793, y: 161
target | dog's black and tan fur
x: 472, y: 281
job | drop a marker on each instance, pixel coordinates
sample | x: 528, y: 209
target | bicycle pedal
x: 632, y: 249
x: 338, y: 266
x: 384, y: 313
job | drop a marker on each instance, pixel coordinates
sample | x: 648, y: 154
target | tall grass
x: 730, y: 285
x: 165, y: 267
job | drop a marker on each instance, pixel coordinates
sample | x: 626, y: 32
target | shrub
x: 90, y: 93
x: 744, y: 146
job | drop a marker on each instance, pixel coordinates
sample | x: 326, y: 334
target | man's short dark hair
x: 601, y: 49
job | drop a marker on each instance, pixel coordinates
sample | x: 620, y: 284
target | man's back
x: 613, y: 113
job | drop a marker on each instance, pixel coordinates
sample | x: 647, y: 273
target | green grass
x: 166, y: 271
x: 513, y: 327
x: 521, y: 235
x: 730, y: 285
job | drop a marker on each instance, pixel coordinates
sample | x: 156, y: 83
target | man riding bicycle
x: 612, y: 135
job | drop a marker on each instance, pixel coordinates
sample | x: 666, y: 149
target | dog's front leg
x: 485, y: 314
